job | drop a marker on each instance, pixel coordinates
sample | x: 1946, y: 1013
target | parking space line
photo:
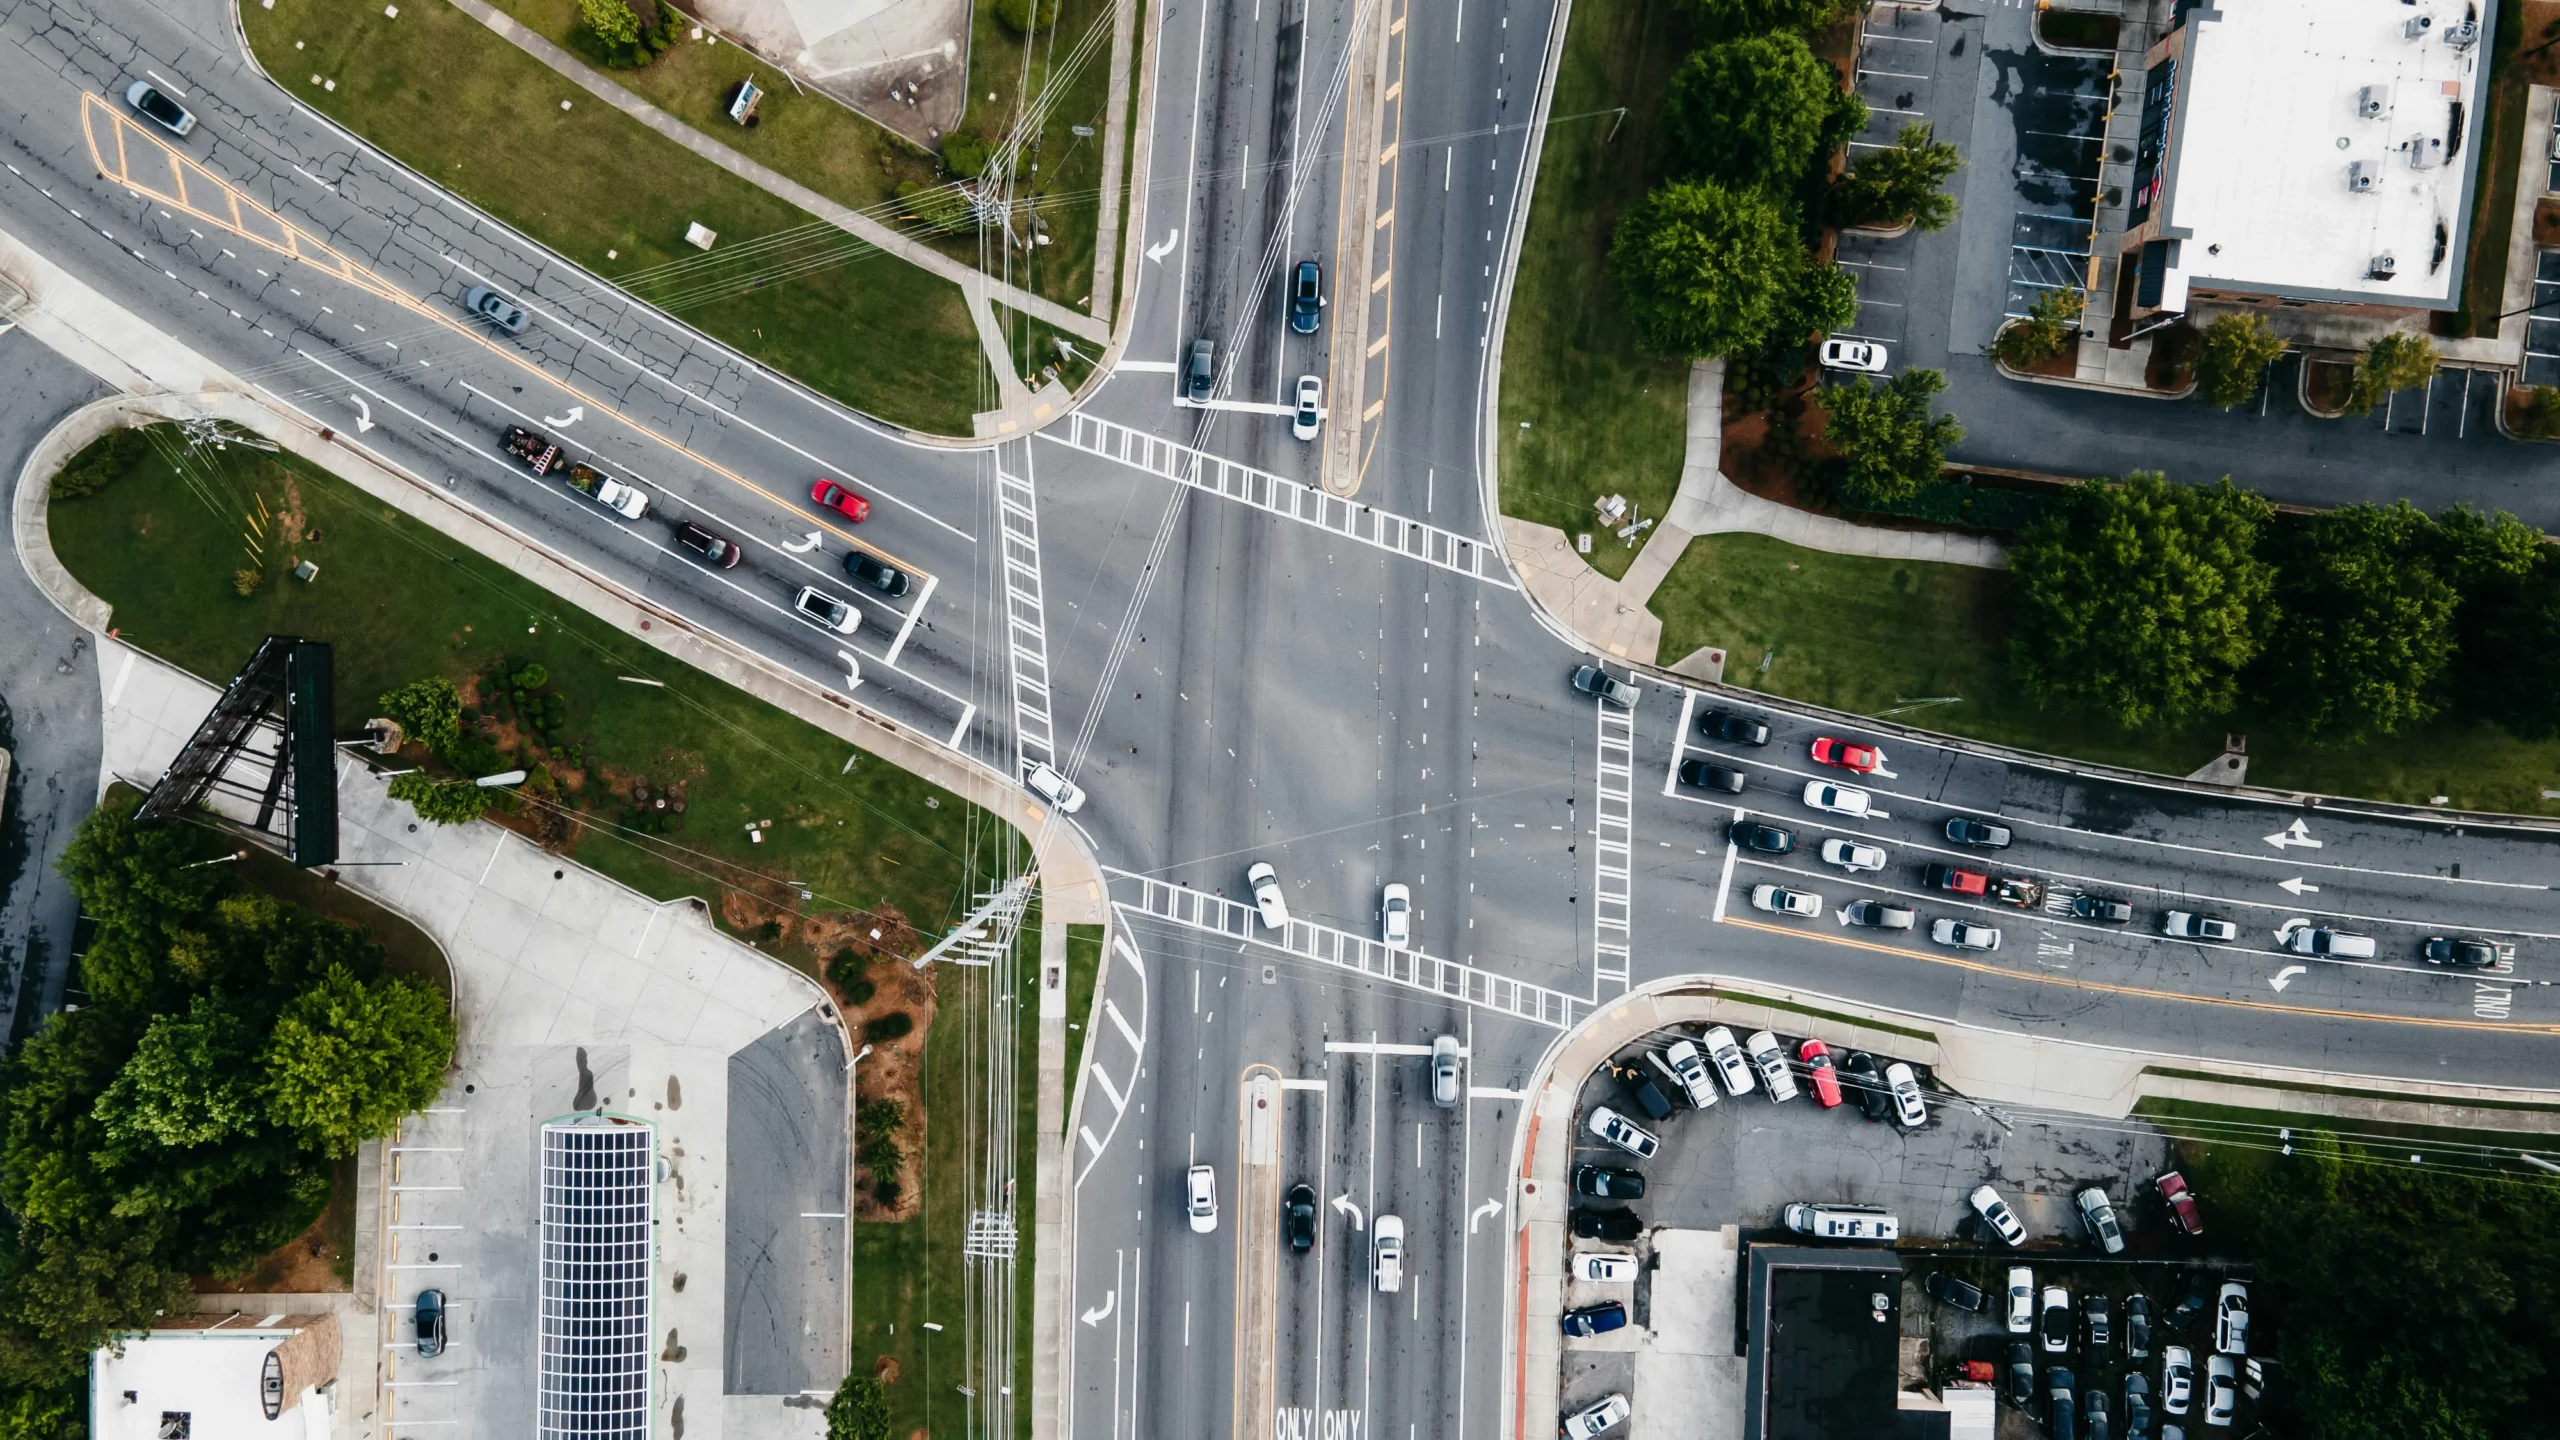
x: 1896, y: 74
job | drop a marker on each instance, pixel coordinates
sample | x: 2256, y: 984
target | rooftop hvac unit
x: 2382, y: 268
x: 2462, y: 36
x: 2369, y: 103
x: 2361, y: 178
x: 2425, y: 152
x: 2418, y: 27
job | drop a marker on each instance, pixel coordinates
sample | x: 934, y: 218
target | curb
x: 2067, y: 383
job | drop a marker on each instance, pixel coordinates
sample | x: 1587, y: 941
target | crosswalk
x: 1613, y: 831
x: 1026, y: 636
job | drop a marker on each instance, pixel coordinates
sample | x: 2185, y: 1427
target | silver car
x: 159, y: 109
x: 487, y: 304
x: 1771, y: 1062
x: 1728, y: 1060
x: 1444, y: 1072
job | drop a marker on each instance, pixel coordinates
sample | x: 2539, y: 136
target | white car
x: 1908, y: 1107
x: 1851, y: 856
x: 1690, y: 1068
x: 1200, y: 1199
x: 2177, y: 1379
x: 825, y: 611
x: 1865, y: 357
x: 1771, y: 1061
x: 1965, y: 934
x: 1386, y: 1248
x: 1266, y: 895
x: 1622, y: 1132
x: 1841, y: 800
x: 1602, y: 1267
x: 2099, y: 1214
x: 2022, y: 1300
x: 1727, y: 1057
x: 1779, y: 900
x: 1396, y: 917
x: 627, y: 501
x: 2186, y: 925
x: 1598, y: 1418
x: 1310, y: 411
x: 2231, y: 1319
x: 1057, y: 789
x: 2221, y: 1390
x: 1995, y: 1212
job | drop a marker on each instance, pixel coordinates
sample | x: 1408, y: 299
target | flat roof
x: 210, y: 1377
x: 1826, y: 1336
x: 2315, y: 137
x: 599, y: 1219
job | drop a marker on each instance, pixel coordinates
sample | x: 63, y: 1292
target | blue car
x: 1306, y: 297
x: 1596, y: 1319
x: 430, y: 1317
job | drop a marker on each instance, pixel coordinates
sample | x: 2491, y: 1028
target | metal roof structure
x: 599, y: 1220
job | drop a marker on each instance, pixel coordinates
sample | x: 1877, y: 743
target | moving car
x: 1306, y: 297
x: 2231, y: 1319
x: 1596, y: 1319
x: 1200, y: 1198
x: 1981, y: 834
x: 714, y: 549
x: 1606, y: 1182
x: 2186, y: 925
x: 1840, y: 800
x: 1875, y: 1098
x: 1732, y: 729
x: 2461, y: 952
x: 1444, y: 1072
x: 1699, y: 775
x: 1779, y: 900
x: 1386, y: 1249
x: 1395, y: 917
x: 1619, y: 1226
x: 1964, y: 934
x: 2190, y: 1306
x: 1057, y: 789
x: 1938, y: 875
x: 1596, y: 1418
x: 2018, y: 890
x: 875, y: 574
x: 1907, y: 1104
x: 2330, y: 944
x: 2022, y: 1300
x: 538, y: 452
x: 828, y: 495
x: 159, y: 109
x: 2099, y: 1214
x: 2053, y: 1322
x: 1847, y: 754
x: 1815, y: 1057
x: 1864, y: 357
x: 1602, y: 1267
x: 1764, y: 839
x: 1266, y: 895
x: 1995, y: 1212
x: 2177, y: 1379
x: 617, y: 495
x: 1852, y: 856
x: 1771, y: 1062
x: 1308, y: 417
x: 825, y: 611
x: 2137, y: 1326
x: 1727, y: 1058
x: 1592, y: 680
x: 2181, y: 1202
x: 1201, y: 376
x: 487, y: 304
x: 1877, y: 915
x: 2022, y: 1374
x: 1690, y: 1069
x: 1298, y: 1218
x: 2101, y: 1332
x: 1948, y: 1290
x: 2105, y: 909
x: 2221, y: 1390
x: 430, y: 1313
x: 1622, y: 1132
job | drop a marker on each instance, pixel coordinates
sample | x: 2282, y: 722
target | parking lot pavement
x: 1899, y: 54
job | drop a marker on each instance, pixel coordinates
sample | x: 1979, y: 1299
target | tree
x: 2052, y: 323
x: 347, y: 1059
x: 860, y: 1409
x: 1746, y: 17
x: 2538, y: 418
x: 1900, y: 182
x: 1823, y: 299
x: 2144, y: 601
x: 2508, y: 662
x: 2365, y: 627
x: 441, y: 802
x: 1886, y: 433
x: 1753, y: 110
x: 1704, y: 268
x: 611, y: 20
x: 190, y: 1082
x: 429, y: 711
x: 58, y: 1413
x: 68, y: 1290
x: 2232, y: 357
x: 140, y: 885
x: 2390, y: 364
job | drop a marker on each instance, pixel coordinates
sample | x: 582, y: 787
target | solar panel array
x: 597, y: 1217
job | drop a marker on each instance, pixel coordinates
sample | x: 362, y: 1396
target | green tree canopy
x: 1892, y: 444
x: 429, y: 710
x: 1705, y: 269
x: 1749, y: 17
x: 611, y: 20
x: 2391, y: 363
x: 441, y: 802
x: 2145, y: 601
x: 347, y: 1059
x: 2052, y: 323
x: 1755, y: 110
x: 1823, y: 299
x: 1904, y: 181
x: 860, y: 1409
x: 192, y: 1081
x: 2232, y: 356
x: 2508, y: 664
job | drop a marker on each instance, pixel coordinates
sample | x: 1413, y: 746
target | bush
x: 2237, y: 351
x: 1026, y: 17
x: 532, y: 677
x: 2052, y: 324
x: 1891, y: 442
x: 101, y: 461
x: 894, y: 1025
x: 1959, y: 501
x: 2538, y: 418
x: 965, y: 155
x: 936, y: 209
x: 429, y: 711
x: 2390, y: 364
x: 860, y: 1409
x: 610, y: 21
x: 441, y: 802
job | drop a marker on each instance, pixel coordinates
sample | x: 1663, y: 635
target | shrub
x: 611, y: 21
x: 2391, y: 363
x: 892, y: 1026
x: 532, y: 677
x: 244, y: 582
x: 1891, y: 442
x: 965, y: 155
x: 2237, y: 351
x: 441, y: 802
x: 2051, y: 325
x: 2538, y: 418
x: 101, y: 461
x: 429, y: 710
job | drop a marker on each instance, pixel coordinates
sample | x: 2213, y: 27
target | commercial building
x: 217, y: 1377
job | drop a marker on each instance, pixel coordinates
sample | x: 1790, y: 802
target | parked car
x: 1761, y: 839
x: 1981, y: 834
x: 2460, y: 952
x: 2022, y: 1300
x: 1965, y: 934
x: 1852, y: 856
x: 2093, y: 1412
x: 1647, y: 1095
x: 2137, y: 1406
x: 1597, y: 1418
x: 1601, y: 1267
x: 1045, y: 782
x: 1267, y: 899
x: 1939, y: 875
x: 1308, y: 417
x: 1386, y: 1249
x: 1995, y: 1212
x: 1200, y: 1198
x: 1298, y: 1218
x: 873, y: 573
x: 1815, y: 1057
x: 159, y: 109
x: 1622, y: 1132
x: 2221, y: 1390
x: 488, y: 305
x: 2101, y: 1332
x: 1395, y: 916
x: 2186, y: 925
x: 1201, y: 377
x: 1843, y: 1222
x: 1616, y: 1226
x: 1604, y: 1182
x: 1306, y: 297
x: 828, y: 495
x: 2177, y: 1379
x: 1689, y: 1067
x: 1701, y: 775
x: 1948, y: 1290
x: 2191, y: 1305
x: 2099, y: 1214
x: 1732, y: 729
x: 2104, y: 909
x: 2017, y: 890
x: 714, y: 549
x: 429, y: 1314
x: 1445, y: 1089
x: 1841, y: 800
x: 1847, y: 755
x: 2053, y: 1321
x: 2180, y: 1201
x: 2330, y: 944
x: 1864, y: 357
x: 2062, y: 1416
x: 1877, y: 915
x: 1727, y: 1058
x: 1594, y: 681
x: 2231, y: 1319
x: 2022, y: 1374
x: 1781, y: 900
x: 2137, y: 1326
x: 1907, y: 1104
x: 1866, y: 1077
x: 825, y: 611
x: 1596, y: 1319
x: 1771, y: 1061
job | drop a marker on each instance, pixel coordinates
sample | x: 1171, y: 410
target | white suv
x: 1691, y: 1070
x: 1771, y: 1061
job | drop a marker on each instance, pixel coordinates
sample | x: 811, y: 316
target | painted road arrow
x: 802, y: 547
x: 2284, y: 977
x: 576, y: 414
x: 1342, y: 1202
x: 2296, y: 834
x: 1101, y: 1312
x: 2298, y: 886
x: 1490, y: 1207
x: 364, y: 414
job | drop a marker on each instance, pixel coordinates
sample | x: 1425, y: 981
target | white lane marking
x: 1375, y: 1047
x: 1679, y: 737
x: 1293, y: 1083
x: 800, y: 547
x: 1157, y: 252
x: 915, y: 612
x: 124, y: 672
x: 1147, y: 367
x: 1724, y: 881
x: 2296, y: 834
x: 1490, y: 1207
x: 1101, y: 1312
x: 1119, y: 1102
x: 2284, y: 977
x: 2297, y: 886
x: 172, y: 89
x: 1489, y: 1092
x: 1349, y: 1210
x: 1122, y: 1021
x: 576, y: 414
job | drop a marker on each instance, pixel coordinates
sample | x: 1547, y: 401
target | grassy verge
x: 480, y: 117
x: 2484, y: 269
x: 1872, y: 636
x: 1585, y: 411
x: 1818, y: 1013
x: 909, y: 1273
x: 2349, y: 1092
x: 1069, y: 73
x: 1084, y: 970
x: 2241, y: 1139
x: 1036, y: 355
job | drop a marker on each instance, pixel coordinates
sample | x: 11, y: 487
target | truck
x: 619, y: 496
x: 539, y: 452
x: 2018, y: 890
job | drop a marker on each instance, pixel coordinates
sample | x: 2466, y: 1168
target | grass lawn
x: 1070, y: 75
x: 1034, y: 344
x: 478, y: 116
x: 1602, y: 416
x: 2223, y: 1145
x: 1084, y: 967
x: 1871, y: 636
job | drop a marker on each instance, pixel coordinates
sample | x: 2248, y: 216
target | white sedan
x: 1602, y: 1267
x: 1851, y: 856
x: 1841, y: 800
x: 1266, y: 895
x: 1779, y: 900
x: 1995, y: 1212
x: 1397, y: 912
x: 1727, y: 1055
x: 1908, y: 1107
x: 1201, y: 1199
x: 1964, y: 934
x: 1863, y: 356
x: 1057, y: 789
x: 1595, y: 1419
x: 1309, y: 414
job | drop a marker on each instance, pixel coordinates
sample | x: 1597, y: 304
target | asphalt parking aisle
x: 1897, y: 62
x: 428, y: 1243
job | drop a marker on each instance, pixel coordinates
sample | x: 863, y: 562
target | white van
x: 2334, y: 944
x: 1844, y: 1222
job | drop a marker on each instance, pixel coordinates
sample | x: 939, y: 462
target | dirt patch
x: 886, y: 1370
x: 2328, y: 384
x: 309, y: 1263
x: 2546, y: 221
x: 2536, y: 61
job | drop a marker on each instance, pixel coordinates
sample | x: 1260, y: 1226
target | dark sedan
x: 430, y: 1321
x: 1766, y: 839
x: 877, y: 574
x: 1700, y: 775
x: 1732, y: 729
x: 1861, y: 1073
x: 1607, y: 1182
x: 1965, y: 830
x: 2460, y: 952
x: 714, y: 549
x: 1306, y: 297
x: 1615, y: 1225
x: 2106, y: 909
x: 1298, y: 1218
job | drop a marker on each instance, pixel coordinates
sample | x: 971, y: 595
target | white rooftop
x: 210, y: 1376
x: 2286, y: 108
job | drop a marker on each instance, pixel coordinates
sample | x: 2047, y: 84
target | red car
x: 1861, y: 758
x: 1941, y: 876
x: 1816, y: 1059
x: 2181, y: 1202
x: 835, y: 497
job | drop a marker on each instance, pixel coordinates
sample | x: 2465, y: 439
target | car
x: 487, y: 304
x: 1852, y: 856
x: 1306, y: 297
x: 1938, y: 875
x: 2181, y: 1202
x: 1907, y: 1104
x: 1771, y: 1061
x: 2018, y: 890
x: 608, y: 490
x: 1445, y: 1091
x: 1964, y: 934
x: 1847, y: 755
x: 2099, y: 1214
x: 2231, y: 1319
x: 2177, y: 1379
x: 1298, y: 1218
x: 828, y: 495
x: 2221, y: 1390
x: 1602, y: 1267
x: 1622, y: 1132
x: 825, y: 611
x: 1764, y: 839
x: 1866, y: 1077
x: 1877, y: 915
x: 875, y: 574
x: 2183, y: 1318
x: 1395, y: 917
x: 1647, y: 1095
x: 2330, y: 944
x: 1690, y: 1068
x: 2137, y: 1327
x: 713, y: 548
x: 429, y: 1314
x: 1045, y: 782
x: 2104, y: 909
x: 1815, y: 1057
x: 1948, y: 1290
x: 2186, y: 925
x: 1308, y: 416
x: 1980, y: 834
x: 1841, y: 800
x: 2101, y: 1328
x: 1202, y: 375
x: 1597, y: 1418
x: 1780, y: 900
x: 2062, y: 1417
x: 1995, y: 1212
x: 1594, y: 681
x: 1200, y: 1198
x: 1267, y: 898
x: 2137, y: 1406
x: 1386, y: 1252
x: 159, y: 109
x: 1864, y: 357
x: 2053, y: 1321
x: 1596, y: 1319
x: 2022, y: 1374
x: 1619, y: 1226
x: 2093, y: 1413
x: 1727, y: 1058
x: 1732, y: 729
x: 2460, y: 952
x: 1700, y: 775
x: 2022, y: 1300
x: 1606, y: 1182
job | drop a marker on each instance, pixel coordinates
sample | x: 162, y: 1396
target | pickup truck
x: 539, y: 452
x: 619, y: 496
x: 2017, y: 890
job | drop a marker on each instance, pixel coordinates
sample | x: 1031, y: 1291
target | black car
x: 1732, y: 729
x: 2093, y: 1414
x: 1948, y: 1290
x: 2460, y: 952
x: 1306, y: 297
x: 2137, y: 1327
x: 715, y: 549
x: 430, y: 1318
x: 2137, y: 1406
x: 878, y: 574
x: 1202, y: 376
x: 1965, y: 830
x: 1607, y: 1182
x: 2061, y: 1423
x: 2022, y: 1374
x: 2100, y: 1331
x: 1298, y: 1218
x: 1698, y: 774
x: 1860, y: 1073
x: 1767, y: 839
x: 1620, y: 1226
x: 2188, y: 1309
x: 1648, y: 1096
x: 2103, y: 908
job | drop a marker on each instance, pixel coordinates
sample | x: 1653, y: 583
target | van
x: 1843, y: 1222
x: 1203, y: 372
x: 2332, y: 944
